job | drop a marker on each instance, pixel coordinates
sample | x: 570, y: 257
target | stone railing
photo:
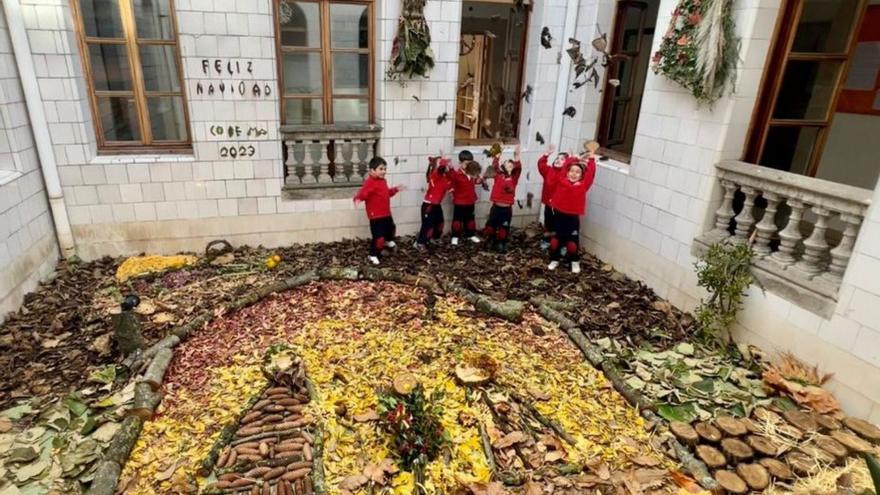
x: 803, y: 229
x: 321, y: 156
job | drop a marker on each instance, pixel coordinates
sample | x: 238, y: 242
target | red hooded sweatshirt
x: 377, y: 195
x: 550, y: 175
x: 438, y: 180
x: 464, y: 188
x: 571, y: 197
x: 504, y: 186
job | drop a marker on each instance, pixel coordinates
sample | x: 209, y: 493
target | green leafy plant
x: 413, y: 421
x: 724, y: 271
x: 411, y: 53
x: 874, y: 469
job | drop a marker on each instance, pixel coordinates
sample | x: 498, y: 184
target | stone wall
x: 28, y: 250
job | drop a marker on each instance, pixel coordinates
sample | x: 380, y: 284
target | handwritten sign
x: 235, y: 80
x: 236, y: 132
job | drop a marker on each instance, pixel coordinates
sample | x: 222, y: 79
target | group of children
x: 566, y: 182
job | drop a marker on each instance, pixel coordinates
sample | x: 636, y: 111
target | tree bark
x: 694, y: 466
x: 145, y: 401
x: 156, y: 371
x: 115, y: 456
x: 547, y: 422
x: 509, y: 310
x: 127, y: 332
x: 106, y: 478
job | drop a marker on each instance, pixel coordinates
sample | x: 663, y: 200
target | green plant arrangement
x: 724, y: 271
x: 874, y: 469
x: 411, y: 53
x: 700, y: 50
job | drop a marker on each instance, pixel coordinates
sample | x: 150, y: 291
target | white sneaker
x: 475, y: 239
x: 373, y: 259
x: 575, y: 267
x: 455, y: 241
x: 553, y: 265
x: 391, y: 244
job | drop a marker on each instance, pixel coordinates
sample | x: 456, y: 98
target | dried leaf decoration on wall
x: 411, y: 53
x: 700, y: 50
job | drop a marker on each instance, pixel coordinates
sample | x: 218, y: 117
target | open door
x: 471, y: 69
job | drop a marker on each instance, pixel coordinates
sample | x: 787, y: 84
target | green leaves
x: 725, y: 272
x: 104, y: 375
x: 685, y: 413
x: 874, y: 469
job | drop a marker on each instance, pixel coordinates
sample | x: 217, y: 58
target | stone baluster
x: 724, y: 212
x: 308, y: 163
x: 745, y: 219
x: 293, y: 167
x: 790, y: 236
x: 767, y: 226
x: 358, y: 164
x: 815, y: 246
x: 324, y: 163
x: 369, y: 150
x: 841, y: 254
x: 343, y: 152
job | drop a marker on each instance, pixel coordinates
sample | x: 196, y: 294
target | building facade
x: 157, y: 126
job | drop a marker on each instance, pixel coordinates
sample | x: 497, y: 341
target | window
x: 325, y: 59
x: 490, y: 70
x: 631, y: 41
x: 805, y: 74
x: 130, y: 54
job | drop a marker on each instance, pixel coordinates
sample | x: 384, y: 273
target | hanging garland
x: 700, y: 50
x: 411, y: 53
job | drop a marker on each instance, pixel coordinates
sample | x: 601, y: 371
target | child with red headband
x: 569, y: 204
x: 503, y: 196
x: 465, y: 179
x: 377, y: 196
x: 432, y: 211
x: 550, y: 174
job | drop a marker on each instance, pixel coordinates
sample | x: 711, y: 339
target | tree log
x: 751, y: 425
x: 684, y: 432
x: 777, y: 468
x: 127, y: 332
x: 864, y: 429
x: 379, y: 274
x: 708, y: 432
x: 763, y: 445
x: 755, y: 475
x: 338, y: 273
x: 636, y: 399
x: 571, y: 328
x: 106, y: 478
x: 317, y: 448
x: 547, y: 422
x: 487, y: 448
x: 853, y: 443
x: 736, y: 450
x: 731, y: 426
x: 156, y: 371
x: 115, y: 456
x: 300, y: 280
x: 557, y: 305
x: 694, y: 466
x: 764, y: 415
x: 801, y: 420
x: 731, y: 482
x: 801, y: 463
x: 831, y: 446
x: 145, y: 401
x: 509, y: 310
x: 826, y: 423
x: 817, y: 454
x: 711, y: 456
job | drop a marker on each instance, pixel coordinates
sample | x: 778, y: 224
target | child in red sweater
x: 503, y: 193
x: 432, y: 211
x: 464, y: 181
x: 377, y: 196
x: 569, y: 203
x: 550, y: 173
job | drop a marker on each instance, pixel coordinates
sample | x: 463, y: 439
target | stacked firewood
x: 746, y: 454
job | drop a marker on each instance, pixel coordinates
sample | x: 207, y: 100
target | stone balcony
x: 326, y: 162
x: 803, y: 230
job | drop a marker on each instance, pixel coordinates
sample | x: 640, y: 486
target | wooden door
x: 471, y: 71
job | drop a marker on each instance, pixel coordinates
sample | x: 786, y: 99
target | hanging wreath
x: 700, y: 50
x: 411, y: 53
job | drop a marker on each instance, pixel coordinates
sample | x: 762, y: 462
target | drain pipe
x: 39, y: 126
x: 571, y: 18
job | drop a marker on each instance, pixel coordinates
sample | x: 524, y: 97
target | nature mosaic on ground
x: 354, y: 339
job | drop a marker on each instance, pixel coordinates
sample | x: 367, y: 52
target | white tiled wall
x: 27, y: 240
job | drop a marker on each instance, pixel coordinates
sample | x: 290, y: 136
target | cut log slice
x: 789, y: 431
x: 751, y: 425
x: 764, y: 415
x: 730, y: 482
x: 736, y: 450
x: 826, y: 423
x: 801, y: 464
x: 711, y: 456
x: 763, y: 445
x: 755, y: 475
x: 777, y: 468
x: 708, y: 432
x: 818, y: 455
x: 731, y: 426
x: 853, y: 443
x: 801, y: 420
x: 864, y: 429
x: 684, y: 432
x: 831, y: 446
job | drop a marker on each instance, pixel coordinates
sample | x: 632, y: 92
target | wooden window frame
x: 138, y: 91
x: 771, y: 82
x: 326, y: 51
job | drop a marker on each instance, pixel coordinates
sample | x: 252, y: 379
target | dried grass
x: 825, y: 480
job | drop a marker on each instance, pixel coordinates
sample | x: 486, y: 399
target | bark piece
x: 708, y: 432
x: 801, y: 420
x: 763, y: 445
x: 127, y: 332
x: 731, y: 426
x: 853, y: 443
x: 684, y: 432
x: 736, y: 450
x: 156, y: 371
x: 777, y: 468
x: 755, y: 475
x: 864, y: 429
x: 145, y: 401
x: 106, y: 478
x: 731, y: 482
x: 711, y: 456
x: 802, y: 464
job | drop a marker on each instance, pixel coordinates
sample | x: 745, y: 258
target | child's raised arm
x: 364, y: 192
